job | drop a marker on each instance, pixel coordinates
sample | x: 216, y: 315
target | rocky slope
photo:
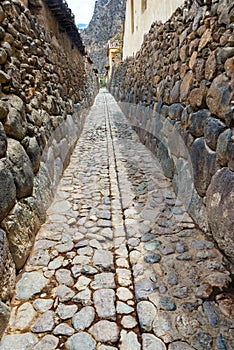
x: 107, y: 21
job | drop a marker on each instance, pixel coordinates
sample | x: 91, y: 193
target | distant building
x: 140, y: 14
x: 114, y: 56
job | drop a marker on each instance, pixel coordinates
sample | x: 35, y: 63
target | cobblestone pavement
x: 119, y: 264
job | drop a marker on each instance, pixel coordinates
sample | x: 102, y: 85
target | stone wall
x: 178, y: 94
x: 46, y: 86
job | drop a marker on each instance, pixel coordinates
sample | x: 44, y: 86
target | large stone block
x: 7, y: 190
x: 204, y: 165
x: 4, y: 317
x: 3, y: 141
x: 220, y: 204
x: 20, y: 226
x: 219, y: 96
x: 21, y: 168
x: 213, y: 128
x: 16, y: 124
x: 7, y: 269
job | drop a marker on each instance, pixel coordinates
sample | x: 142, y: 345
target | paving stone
x: 64, y: 293
x: 152, y: 258
x: 30, y: 284
x: 64, y: 329
x: 42, y: 305
x: 84, y: 318
x: 49, y: 342
x: 150, y: 342
x: 143, y: 288
x: 179, y: 345
x: 24, y: 316
x: 66, y: 311
x: 167, y: 304
x: 104, y: 302
x: 111, y: 334
x: 146, y: 314
x: 84, y: 297
x: 63, y: 276
x: 128, y: 322
x: 56, y: 263
x: 124, y: 294
x: 106, y: 347
x: 103, y: 280
x: 103, y: 259
x: 65, y: 247
x: 82, y: 283
x: 129, y: 341
x: 81, y: 341
x: 123, y: 308
x: 18, y: 341
x: 45, y: 323
x: 40, y: 258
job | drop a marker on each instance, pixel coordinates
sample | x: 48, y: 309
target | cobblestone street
x: 119, y: 264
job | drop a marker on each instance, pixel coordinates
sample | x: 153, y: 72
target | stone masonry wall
x: 178, y: 93
x: 46, y: 85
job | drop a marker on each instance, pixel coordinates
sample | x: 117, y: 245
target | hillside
x: 106, y: 22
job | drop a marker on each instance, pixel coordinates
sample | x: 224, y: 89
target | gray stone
x: 33, y: 151
x: 3, y: 140
x: 84, y: 318
x: 123, y: 308
x: 197, y: 121
x: 129, y: 341
x: 219, y: 96
x: 18, y: 341
x: 49, y: 342
x: 167, y: 304
x: 128, y: 322
x: 104, y: 301
x: 56, y: 263
x: 64, y: 329
x: 111, y: 334
x: 147, y: 237
x: 81, y: 341
x: 63, y: 276
x: 219, y: 203
x: 45, y: 323
x: 21, y: 168
x: 152, y: 245
x: 150, y: 342
x: 20, y: 226
x: 213, y: 128
x: 66, y: 311
x: 167, y: 248
x: 15, y: 125
x: 83, y: 297
x: 103, y: 280
x: 211, y: 313
x: 8, y: 190
x: 146, y: 314
x: 7, y: 269
x: 179, y: 345
x: 223, y: 148
x: 31, y: 283
x: 204, y: 165
x: 103, y: 259
x: 152, y: 258
x: 63, y: 293
x: 25, y: 315
x: 42, y: 305
x: 4, y: 318
x: 40, y: 258
x: 143, y: 288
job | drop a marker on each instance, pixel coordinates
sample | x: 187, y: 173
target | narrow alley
x: 119, y: 264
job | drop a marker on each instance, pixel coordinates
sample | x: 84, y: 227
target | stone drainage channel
x: 119, y: 264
